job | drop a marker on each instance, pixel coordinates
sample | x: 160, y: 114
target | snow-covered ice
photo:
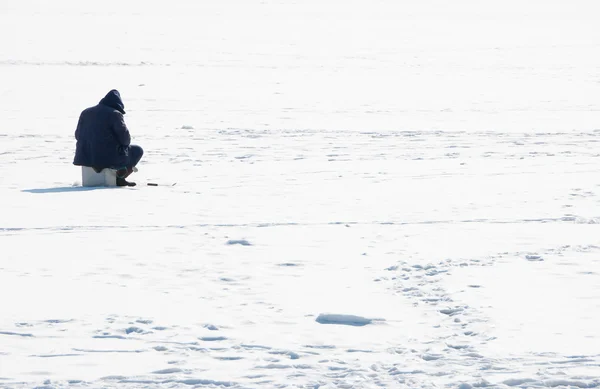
x: 369, y: 194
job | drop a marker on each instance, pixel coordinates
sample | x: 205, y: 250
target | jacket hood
x: 113, y: 100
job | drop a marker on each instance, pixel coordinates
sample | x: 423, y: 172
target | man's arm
x: 120, y: 130
x: 77, y: 129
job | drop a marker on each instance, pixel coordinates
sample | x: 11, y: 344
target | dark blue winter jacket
x: 102, y: 136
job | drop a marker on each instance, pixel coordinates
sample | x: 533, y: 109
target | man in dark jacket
x: 103, y: 140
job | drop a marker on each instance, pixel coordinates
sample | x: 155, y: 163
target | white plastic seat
x: 89, y: 177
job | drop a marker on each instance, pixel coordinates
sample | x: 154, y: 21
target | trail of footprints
x: 421, y: 284
x: 452, y: 354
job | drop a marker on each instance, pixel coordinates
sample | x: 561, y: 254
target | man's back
x: 102, y: 136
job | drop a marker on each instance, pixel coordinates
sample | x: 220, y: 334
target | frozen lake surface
x: 369, y: 194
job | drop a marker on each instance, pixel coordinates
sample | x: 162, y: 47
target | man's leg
x: 135, y: 154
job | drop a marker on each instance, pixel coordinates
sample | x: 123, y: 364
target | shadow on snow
x: 65, y: 189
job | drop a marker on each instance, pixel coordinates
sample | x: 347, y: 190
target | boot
x: 124, y: 182
x: 122, y: 174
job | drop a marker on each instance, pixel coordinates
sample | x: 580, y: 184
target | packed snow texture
x: 369, y: 194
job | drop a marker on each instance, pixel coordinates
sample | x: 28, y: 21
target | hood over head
x: 113, y: 100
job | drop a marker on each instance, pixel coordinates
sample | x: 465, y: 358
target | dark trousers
x: 133, y: 158
x: 135, y: 154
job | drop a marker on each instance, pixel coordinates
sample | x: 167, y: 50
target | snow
x: 369, y: 194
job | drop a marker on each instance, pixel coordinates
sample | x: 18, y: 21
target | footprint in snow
x: 136, y: 330
x: 241, y: 242
x: 255, y: 346
x: 451, y: 311
x: 212, y: 338
x: 168, y: 371
x: 290, y: 354
x: 229, y: 358
x: 322, y: 346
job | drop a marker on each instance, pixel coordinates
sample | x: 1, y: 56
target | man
x: 103, y: 140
